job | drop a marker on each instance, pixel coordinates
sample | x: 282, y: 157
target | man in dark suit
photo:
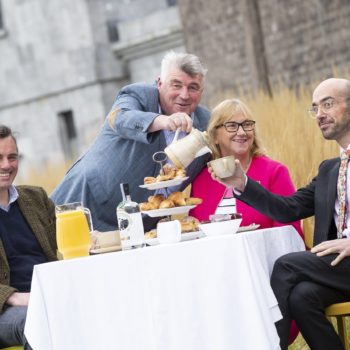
x: 305, y: 283
x: 27, y: 238
x: 143, y: 121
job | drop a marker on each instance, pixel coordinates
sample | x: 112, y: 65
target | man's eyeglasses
x: 323, y: 106
x: 247, y: 125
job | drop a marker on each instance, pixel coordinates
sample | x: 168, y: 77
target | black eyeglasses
x: 247, y: 125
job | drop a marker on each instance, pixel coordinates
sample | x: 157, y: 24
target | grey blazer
x: 317, y: 198
x: 122, y: 154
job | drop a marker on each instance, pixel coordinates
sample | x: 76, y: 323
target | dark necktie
x: 341, y: 189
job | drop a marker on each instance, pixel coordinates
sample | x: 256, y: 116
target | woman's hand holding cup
x: 228, y: 171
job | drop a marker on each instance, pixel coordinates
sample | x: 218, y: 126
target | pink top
x: 270, y: 174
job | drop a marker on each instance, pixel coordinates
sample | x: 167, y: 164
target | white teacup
x: 169, y: 231
x: 223, y: 167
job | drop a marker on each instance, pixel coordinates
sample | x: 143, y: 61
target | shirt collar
x: 347, y: 149
x: 13, y: 196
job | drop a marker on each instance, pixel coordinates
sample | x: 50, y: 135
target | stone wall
x: 58, y: 57
x: 249, y: 44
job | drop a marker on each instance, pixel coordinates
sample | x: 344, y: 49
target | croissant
x: 156, y: 199
x: 147, y: 206
x: 178, y: 198
x: 167, y: 203
x: 149, y: 180
x: 189, y: 224
x: 151, y: 234
x: 169, y: 170
x: 180, y: 173
x: 193, y: 201
x: 163, y: 178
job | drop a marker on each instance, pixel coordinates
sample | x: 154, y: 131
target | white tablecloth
x: 208, y: 294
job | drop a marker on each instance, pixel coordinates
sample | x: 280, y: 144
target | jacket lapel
x: 29, y: 209
x: 331, y: 194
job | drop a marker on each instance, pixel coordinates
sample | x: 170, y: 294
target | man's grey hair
x: 188, y: 63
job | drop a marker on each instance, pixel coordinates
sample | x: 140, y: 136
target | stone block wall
x: 249, y: 44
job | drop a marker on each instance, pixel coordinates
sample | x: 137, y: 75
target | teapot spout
x: 202, y: 151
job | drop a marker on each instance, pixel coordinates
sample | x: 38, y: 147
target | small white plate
x: 248, y: 228
x: 186, y: 236
x: 163, y: 184
x: 168, y: 211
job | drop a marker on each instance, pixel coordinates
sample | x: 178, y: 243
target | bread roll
x: 178, y: 198
x: 167, y: 203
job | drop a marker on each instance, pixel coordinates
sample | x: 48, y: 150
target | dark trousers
x: 304, y: 285
x: 12, y: 321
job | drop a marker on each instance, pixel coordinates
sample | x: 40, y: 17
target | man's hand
x: 340, y: 246
x: 237, y: 180
x: 18, y: 299
x: 172, y: 122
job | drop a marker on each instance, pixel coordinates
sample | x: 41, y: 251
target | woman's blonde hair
x: 222, y: 113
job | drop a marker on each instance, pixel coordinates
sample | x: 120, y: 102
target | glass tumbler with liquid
x: 130, y: 221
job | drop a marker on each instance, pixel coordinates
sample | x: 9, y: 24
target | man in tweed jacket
x: 147, y: 117
x: 27, y: 237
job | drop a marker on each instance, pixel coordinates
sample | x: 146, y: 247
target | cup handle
x: 178, y: 225
x: 87, y: 213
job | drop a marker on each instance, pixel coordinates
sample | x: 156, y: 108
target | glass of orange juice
x: 72, y: 230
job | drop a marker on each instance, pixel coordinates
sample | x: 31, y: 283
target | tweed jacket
x: 122, y: 153
x: 39, y: 211
x: 317, y: 198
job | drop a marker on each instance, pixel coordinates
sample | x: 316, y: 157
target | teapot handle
x: 176, y: 136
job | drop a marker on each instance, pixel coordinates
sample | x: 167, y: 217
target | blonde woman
x: 232, y: 131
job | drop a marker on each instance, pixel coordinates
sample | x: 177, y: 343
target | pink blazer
x: 272, y: 175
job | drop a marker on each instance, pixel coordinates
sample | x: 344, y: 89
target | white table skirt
x: 210, y: 293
